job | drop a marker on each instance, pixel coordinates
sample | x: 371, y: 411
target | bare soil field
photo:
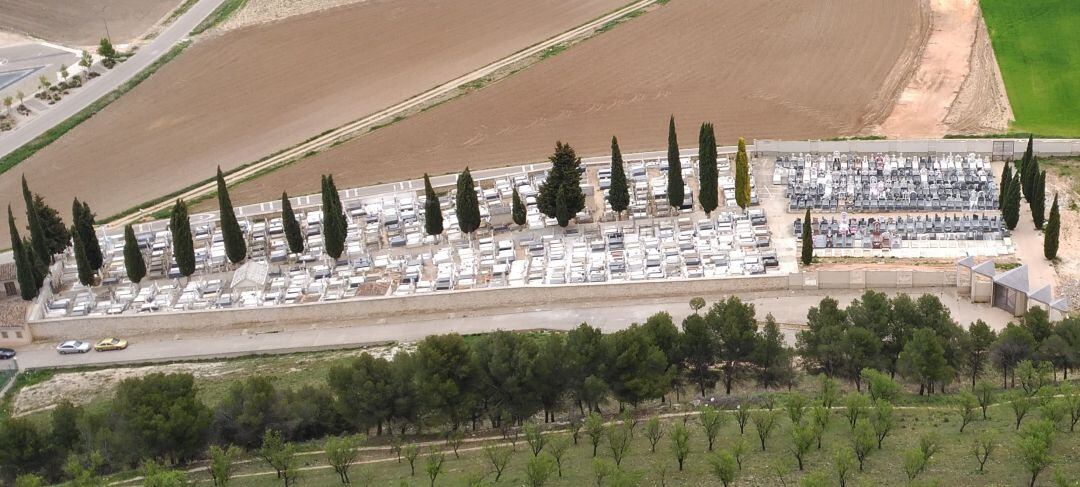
x: 766, y: 70
x: 82, y: 22
x: 262, y: 11
x: 957, y: 87
x: 239, y: 96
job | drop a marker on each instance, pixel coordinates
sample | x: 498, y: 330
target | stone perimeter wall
x: 347, y: 312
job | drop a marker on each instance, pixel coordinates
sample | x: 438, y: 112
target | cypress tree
x: 83, y: 222
x: 742, y: 176
x: 467, y: 206
x: 1010, y: 211
x: 1038, y: 201
x: 807, y: 240
x: 183, y: 247
x: 235, y: 243
x: 86, y: 274
x: 565, y: 166
x: 517, y: 211
x: 562, y: 206
x: 335, y: 228
x: 133, y: 257
x: 674, y: 173
x: 707, y: 175
x: 25, y: 269
x: 433, y: 219
x: 38, y: 271
x: 1006, y: 177
x: 1029, y: 152
x: 93, y: 246
x: 291, y: 226
x: 1053, y: 229
x: 37, y: 233
x: 619, y: 193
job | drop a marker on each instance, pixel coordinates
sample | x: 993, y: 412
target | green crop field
x: 1037, y: 44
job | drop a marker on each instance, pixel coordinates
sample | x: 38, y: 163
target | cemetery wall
x: 1010, y: 148
x: 348, y: 312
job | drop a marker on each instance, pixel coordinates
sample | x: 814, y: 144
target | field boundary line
x: 330, y: 138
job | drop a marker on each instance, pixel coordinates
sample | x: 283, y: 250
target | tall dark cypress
x: 674, y: 168
x: 24, y: 267
x: 1006, y: 178
x: 517, y: 209
x: 619, y: 192
x: 563, y: 213
x: 293, y: 235
x: 38, y: 239
x: 807, y: 240
x: 433, y: 218
x: 1038, y: 201
x: 93, y: 246
x: 1053, y: 230
x: 82, y: 265
x: 235, y: 242
x: 467, y: 206
x: 707, y: 173
x: 38, y: 271
x: 183, y: 247
x: 335, y: 228
x: 1010, y: 210
x: 134, y: 263
x: 83, y: 221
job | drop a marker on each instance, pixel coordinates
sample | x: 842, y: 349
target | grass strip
x: 219, y: 15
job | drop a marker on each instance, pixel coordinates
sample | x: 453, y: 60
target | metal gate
x: 1003, y: 151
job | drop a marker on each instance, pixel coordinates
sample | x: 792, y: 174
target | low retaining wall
x: 349, y: 311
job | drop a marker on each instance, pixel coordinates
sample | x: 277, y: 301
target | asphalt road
x: 83, y: 97
x: 787, y: 307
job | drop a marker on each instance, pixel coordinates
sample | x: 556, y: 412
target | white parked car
x: 73, y: 346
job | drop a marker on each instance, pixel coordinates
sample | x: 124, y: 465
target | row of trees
x: 1030, y: 182
x: 502, y: 380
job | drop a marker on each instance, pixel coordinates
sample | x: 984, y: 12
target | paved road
x: 786, y: 307
x: 83, y: 97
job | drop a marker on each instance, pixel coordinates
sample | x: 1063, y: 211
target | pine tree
x: 37, y: 233
x: 467, y: 206
x: 707, y: 175
x: 565, y: 171
x: 86, y: 274
x: 1006, y: 178
x: 517, y: 211
x: 742, y: 176
x: 24, y: 267
x: 1053, y: 229
x: 1038, y: 201
x: 1010, y: 210
x: 183, y: 247
x: 233, y: 235
x: 433, y: 219
x: 807, y: 240
x: 619, y: 193
x: 57, y: 236
x: 675, y: 192
x: 134, y: 263
x: 335, y: 228
x: 293, y: 235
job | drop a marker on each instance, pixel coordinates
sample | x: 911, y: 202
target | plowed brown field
x: 82, y: 22
x: 240, y: 96
x: 766, y: 69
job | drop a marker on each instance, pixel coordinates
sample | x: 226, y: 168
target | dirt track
x: 228, y: 101
x: 747, y: 69
x: 81, y: 22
